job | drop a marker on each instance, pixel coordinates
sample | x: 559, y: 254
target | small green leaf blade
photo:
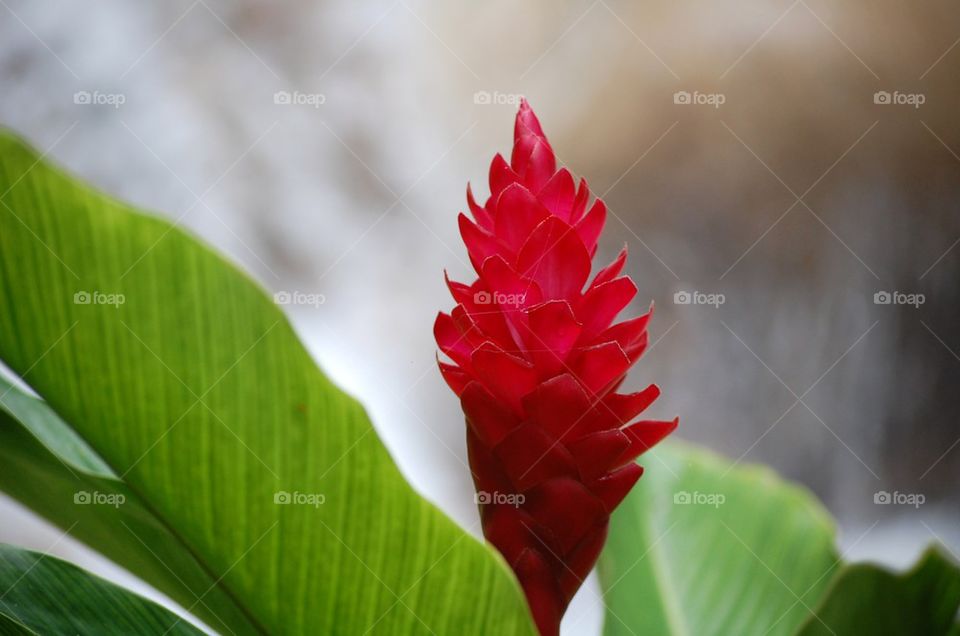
x: 47, y: 468
x: 44, y: 595
x: 50, y: 430
x: 867, y: 599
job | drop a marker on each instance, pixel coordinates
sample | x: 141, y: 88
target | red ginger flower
x: 537, y: 365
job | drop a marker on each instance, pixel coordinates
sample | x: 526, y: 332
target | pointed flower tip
x: 527, y: 122
x: 674, y: 423
x: 525, y: 107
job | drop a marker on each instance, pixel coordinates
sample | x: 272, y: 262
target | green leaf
x: 866, y: 599
x: 698, y: 550
x: 50, y: 430
x: 40, y: 594
x: 704, y: 547
x: 190, y: 384
x: 48, y: 468
x: 11, y: 627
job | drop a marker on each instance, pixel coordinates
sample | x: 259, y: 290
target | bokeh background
x: 816, y: 167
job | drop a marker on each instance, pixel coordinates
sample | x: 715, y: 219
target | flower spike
x: 537, y: 360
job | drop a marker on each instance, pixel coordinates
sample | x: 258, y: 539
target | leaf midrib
x: 217, y: 580
x: 663, y: 579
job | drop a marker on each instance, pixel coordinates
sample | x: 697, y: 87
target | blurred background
x: 789, y: 168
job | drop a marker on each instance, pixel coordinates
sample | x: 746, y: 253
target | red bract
x: 537, y: 362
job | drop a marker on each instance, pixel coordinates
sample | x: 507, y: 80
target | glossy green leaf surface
x: 867, y: 599
x: 702, y: 546
x: 40, y: 594
x: 697, y: 550
x: 74, y: 489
